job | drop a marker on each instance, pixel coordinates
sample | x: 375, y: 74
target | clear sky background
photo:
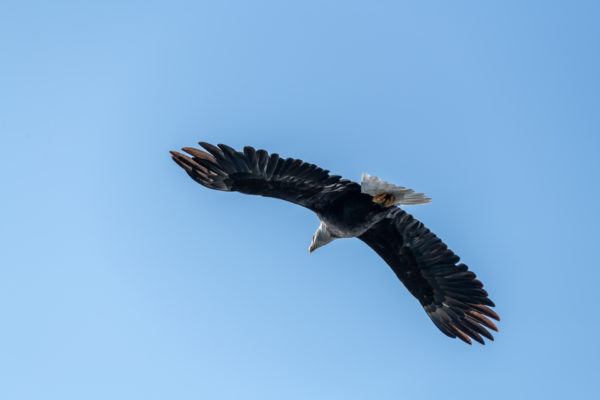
x: 121, y: 278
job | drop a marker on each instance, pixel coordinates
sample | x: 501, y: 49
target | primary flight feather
x: 451, y: 295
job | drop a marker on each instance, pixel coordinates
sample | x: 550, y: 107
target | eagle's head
x: 320, y: 238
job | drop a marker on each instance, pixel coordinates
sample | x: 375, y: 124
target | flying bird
x: 451, y: 295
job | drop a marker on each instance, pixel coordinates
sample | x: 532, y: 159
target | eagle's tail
x: 388, y: 194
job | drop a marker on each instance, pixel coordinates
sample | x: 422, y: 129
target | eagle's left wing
x: 260, y: 173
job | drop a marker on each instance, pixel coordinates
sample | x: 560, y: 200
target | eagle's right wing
x: 258, y: 172
x: 451, y: 295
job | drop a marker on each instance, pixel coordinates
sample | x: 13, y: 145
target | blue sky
x: 121, y: 278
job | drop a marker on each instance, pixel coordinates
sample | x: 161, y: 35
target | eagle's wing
x: 450, y: 294
x: 258, y: 172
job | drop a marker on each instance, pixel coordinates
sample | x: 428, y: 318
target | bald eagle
x: 451, y: 295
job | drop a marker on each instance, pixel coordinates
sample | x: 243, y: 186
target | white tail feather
x: 373, y: 185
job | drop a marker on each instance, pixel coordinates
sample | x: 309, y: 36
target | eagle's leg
x: 384, y: 199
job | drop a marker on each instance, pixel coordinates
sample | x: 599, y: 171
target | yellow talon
x: 385, y: 199
x: 380, y: 198
x: 389, y: 201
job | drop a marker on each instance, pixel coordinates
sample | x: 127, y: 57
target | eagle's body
x: 351, y: 214
x: 450, y: 294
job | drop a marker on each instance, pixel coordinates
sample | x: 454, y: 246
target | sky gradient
x: 121, y: 278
